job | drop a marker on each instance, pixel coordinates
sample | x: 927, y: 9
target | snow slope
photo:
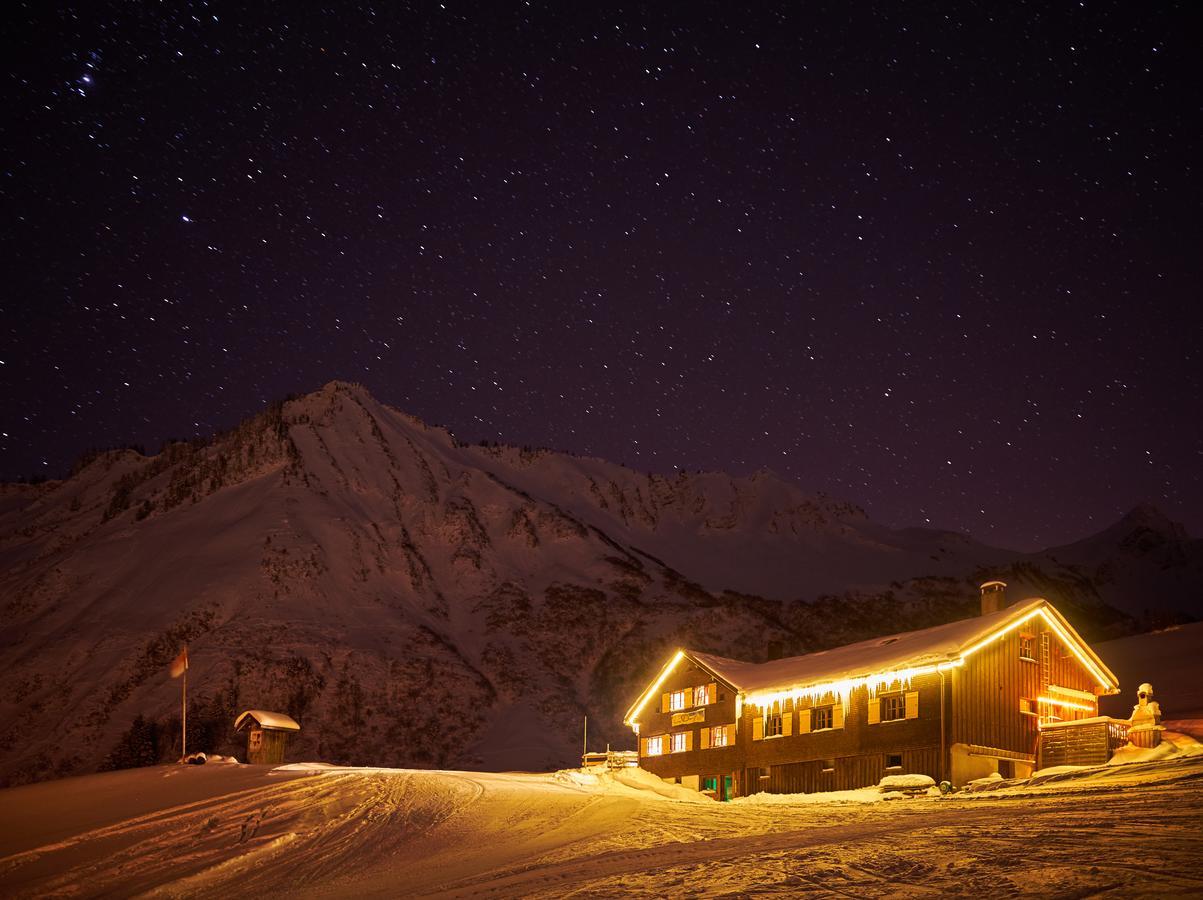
x: 314, y: 831
x: 1171, y: 660
x: 413, y: 601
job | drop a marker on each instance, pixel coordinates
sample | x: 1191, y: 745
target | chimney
x: 994, y: 596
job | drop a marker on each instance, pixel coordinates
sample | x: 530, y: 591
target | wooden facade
x: 267, y: 735
x: 265, y: 747
x: 956, y: 702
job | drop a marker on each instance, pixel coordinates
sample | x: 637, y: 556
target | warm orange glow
x: 1084, y: 696
x: 1105, y: 679
x: 875, y: 683
x: 633, y: 715
x: 879, y: 681
x: 1067, y: 704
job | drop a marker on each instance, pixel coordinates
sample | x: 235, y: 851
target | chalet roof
x: 893, y: 653
x: 904, y: 654
x: 273, y: 721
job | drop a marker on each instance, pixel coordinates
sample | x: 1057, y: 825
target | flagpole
x: 184, y: 715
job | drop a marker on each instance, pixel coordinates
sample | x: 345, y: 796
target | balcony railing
x: 1080, y: 742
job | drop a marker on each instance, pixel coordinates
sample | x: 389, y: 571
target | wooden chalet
x: 956, y: 702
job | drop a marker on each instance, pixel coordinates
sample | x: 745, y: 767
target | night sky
x: 942, y: 261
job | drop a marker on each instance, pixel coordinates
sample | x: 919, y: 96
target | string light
x: 879, y: 681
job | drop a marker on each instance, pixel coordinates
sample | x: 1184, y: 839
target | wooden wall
x: 987, y: 689
x: 714, y: 761
x: 795, y: 763
x: 857, y: 737
x: 266, y: 747
x: 848, y: 773
x: 981, y: 709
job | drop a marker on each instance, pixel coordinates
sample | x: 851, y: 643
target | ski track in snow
x: 363, y: 832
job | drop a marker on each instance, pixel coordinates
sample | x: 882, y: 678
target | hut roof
x: 910, y: 649
x: 273, y: 721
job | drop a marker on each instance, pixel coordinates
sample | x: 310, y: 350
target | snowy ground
x: 318, y: 831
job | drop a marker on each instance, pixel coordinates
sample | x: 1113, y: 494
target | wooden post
x: 585, y: 741
x: 943, y: 748
x: 184, y: 712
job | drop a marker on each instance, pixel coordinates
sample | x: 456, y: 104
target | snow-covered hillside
x: 183, y: 831
x: 415, y: 601
x: 1172, y: 661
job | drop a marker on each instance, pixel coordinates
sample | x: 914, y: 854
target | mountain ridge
x: 337, y: 559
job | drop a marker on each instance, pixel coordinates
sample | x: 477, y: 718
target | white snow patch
x: 1172, y: 746
x: 860, y: 795
x: 988, y: 779
x: 626, y: 780
x: 1059, y: 770
x: 906, y: 782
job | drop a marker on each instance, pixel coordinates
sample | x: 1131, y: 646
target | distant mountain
x: 1144, y: 564
x: 1168, y: 659
x: 415, y: 601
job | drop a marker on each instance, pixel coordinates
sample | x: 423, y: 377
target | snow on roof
x: 895, y: 656
x: 271, y: 720
x: 896, y: 652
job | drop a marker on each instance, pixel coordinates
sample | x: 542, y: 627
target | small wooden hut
x: 267, y: 735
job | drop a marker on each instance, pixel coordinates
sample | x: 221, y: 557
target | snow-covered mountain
x: 415, y: 601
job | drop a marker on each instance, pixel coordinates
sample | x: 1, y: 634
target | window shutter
x: 874, y: 710
x: 688, y: 740
x: 758, y: 728
x: 912, y: 704
x: 803, y: 721
x: 787, y: 724
x: 704, y: 734
x: 664, y: 703
x: 837, y: 716
x: 712, y: 692
x: 688, y: 697
x: 643, y: 746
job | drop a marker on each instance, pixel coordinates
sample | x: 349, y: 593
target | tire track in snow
x: 672, y: 855
x: 331, y: 847
x: 297, y: 833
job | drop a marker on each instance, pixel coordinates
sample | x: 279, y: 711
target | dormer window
x: 1027, y: 647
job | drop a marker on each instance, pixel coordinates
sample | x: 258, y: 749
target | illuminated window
x: 676, y: 700
x: 822, y: 717
x: 772, y: 725
x: 893, y: 707
x: 678, y: 739
x: 1027, y: 643
x: 1028, y: 707
x: 655, y: 745
x: 718, y: 736
x: 701, y: 695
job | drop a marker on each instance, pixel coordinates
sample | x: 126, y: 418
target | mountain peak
x: 1146, y: 515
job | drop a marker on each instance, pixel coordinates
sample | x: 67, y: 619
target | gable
x: 881, y: 662
x: 678, y: 661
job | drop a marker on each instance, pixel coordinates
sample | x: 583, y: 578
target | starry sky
x: 941, y: 260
